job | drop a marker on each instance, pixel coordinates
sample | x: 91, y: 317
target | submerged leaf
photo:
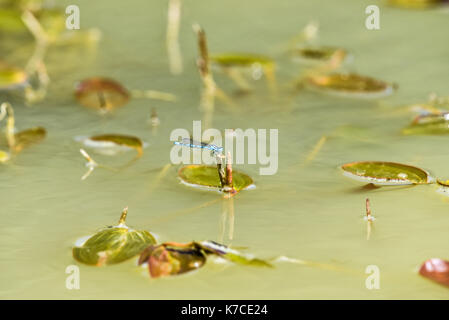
x: 436, y: 270
x: 111, y: 141
x: 101, y: 93
x: 28, y: 137
x: 386, y: 173
x: 113, y: 245
x: 170, y: 258
x: 11, y: 77
x: 429, y: 124
x: 351, y: 85
x: 207, y: 176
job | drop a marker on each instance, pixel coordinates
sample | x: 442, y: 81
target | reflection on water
x: 305, y: 212
x: 227, y: 220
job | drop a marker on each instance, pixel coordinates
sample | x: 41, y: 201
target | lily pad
x: 436, y: 270
x: 28, y: 137
x: 113, y: 244
x: 169, y: 259
x: 430, y: 124
x: 111, y: 141
x: 207, y: 176
x: 101, y: 93
x: 350, y: 85
x: 240, y: 60
x: 386, y: 173
x: 11, y: 77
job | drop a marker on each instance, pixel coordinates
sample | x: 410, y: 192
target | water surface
x: 307, y: 212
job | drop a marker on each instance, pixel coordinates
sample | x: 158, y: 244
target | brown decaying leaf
x: 172, y: 258
x: 101, y: 93
x: 437, y: 270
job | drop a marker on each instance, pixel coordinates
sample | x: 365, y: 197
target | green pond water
x: 307, y: 212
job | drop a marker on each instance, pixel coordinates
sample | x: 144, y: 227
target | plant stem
x: 368, y: 210
x: 172, y: 40
x: 221, y: 171
x: 7, y: 110
x: 123, y: 216
x: 228, y: 186
x: 369, y: 219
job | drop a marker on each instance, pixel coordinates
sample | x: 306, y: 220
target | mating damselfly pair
x: 187, y: 142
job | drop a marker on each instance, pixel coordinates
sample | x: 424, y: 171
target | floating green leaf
x: 22, y: 139
x: 211, y: 247
x: 28, y: 137
x: 101, y: 93
x: 351, y: 85
x: 207, y: 176
x: 120, y: 140
x: 241, y: 60
x: 443, y: 187
x: 171, y: 258
x: 415, y: 4
x: 11, y: 77
x: 318, y: 54
x: 234, y: 63
x: 444, y: 183
x: 113, y: 245
x: 386, y: 173
x: 429, y: 124
x: 4, y: 156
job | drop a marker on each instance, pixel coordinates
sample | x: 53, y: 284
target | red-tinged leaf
x: 436, y: 270
x: 101, y: 93
x: 172, y: 259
